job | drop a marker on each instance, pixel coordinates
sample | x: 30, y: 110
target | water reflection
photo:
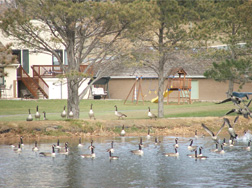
x: 152, y: 169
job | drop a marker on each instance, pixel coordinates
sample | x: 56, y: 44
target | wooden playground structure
x: 181, y: 85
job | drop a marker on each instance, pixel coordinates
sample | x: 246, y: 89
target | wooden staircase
x: 36, y: 85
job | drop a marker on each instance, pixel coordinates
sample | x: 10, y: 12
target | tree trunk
x: 161, y: 89
x: 230, y: 87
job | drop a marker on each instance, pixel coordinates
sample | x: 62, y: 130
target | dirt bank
x: 172, y: 126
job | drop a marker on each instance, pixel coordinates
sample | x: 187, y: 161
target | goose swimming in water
x: 191, y: 147
x: 91, y: 145
x: 216, y: 148
x: 176, y: 154
x: 18, y: 149
x: 248, y: 147
x: 176, y: 145
x: 92, y: 155
x: 35, y: 148
x: 221, y: 151
x: 138, y: 152
x: 199, y: 156
x: 112, y: 148
x: 49, y: 154
x: 112, y: 157
x: 80, y: 144
x: 214, y: 137
x: 193, y: 155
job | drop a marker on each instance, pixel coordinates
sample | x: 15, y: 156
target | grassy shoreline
x: 179, y: 120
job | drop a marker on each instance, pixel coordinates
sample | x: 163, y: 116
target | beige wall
x: 209, y: 90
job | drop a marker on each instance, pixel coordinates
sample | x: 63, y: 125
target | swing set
x: 136, y: 89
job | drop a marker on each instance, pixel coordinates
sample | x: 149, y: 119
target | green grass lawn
x: 17, y: 110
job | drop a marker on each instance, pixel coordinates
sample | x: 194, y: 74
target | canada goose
x: 92, y: 155
x: 157, y: 141
x: 91, y: 112
x: 176, y: 143
x: 200, y: 157
x: 29, y: 118
x: 45, y: 115
x: 49, y: 154
x: 112, y: 148
x: 245, y: 111
x: 151, y: 115
x: 119, y: 114
x: 71, y: 115
x: 37, y: 114
x: 248, y: 147
x: 18, y: 149
x: 191, y: 147
x: 138, y: 152
x: 91, y: 145
x: 148, y: 135
x: 193, y: 155
x: 141, y: 143
x: 230, y: 127
x: 35, y: 148
x: 58, y: 146
x: 214, y: 137
x: 65, y: 151
x: 231, y: 144
x: 80, y: 144
x: 224, y: 142
x: 63, y: 113
x: 234, y: 99
x: 221, y: 151
x: 112, y: 157
x: 123, y: 131
x: 216, y: 148
x: 176, y: 154
x: 21, y: 141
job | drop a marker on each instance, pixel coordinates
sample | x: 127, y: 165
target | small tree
x: 236, y: 71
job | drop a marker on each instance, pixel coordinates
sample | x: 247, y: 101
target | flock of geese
x: 195, y: 151
x: 91, y: 115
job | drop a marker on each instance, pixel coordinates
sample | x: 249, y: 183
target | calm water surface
x: 153, y: 169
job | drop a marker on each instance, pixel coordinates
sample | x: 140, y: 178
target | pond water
x: 153, y: 169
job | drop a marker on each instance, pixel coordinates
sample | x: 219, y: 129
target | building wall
x: 202, y: 89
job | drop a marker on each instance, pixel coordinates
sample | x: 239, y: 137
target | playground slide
x: 155, y: 100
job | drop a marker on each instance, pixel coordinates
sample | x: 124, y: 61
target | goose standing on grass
x: 214, y: 137
x: 35, y: 148
x: 248, y: 147
x: 71, y: 115
x: 176, y: 154
x: 37, y: 114
x: 191, y: 147
x: 80, y: 144
x: 151, y: 115
x: 119, y: 114
x: 112, y: 148
x: 123, y: 131
x: 112, y: 157
x: 63, y: 113
x: 231, y: 130
x: 139, y: 151
x: 49, y: 154
x: 44, y: 115
x: 92, y: 155
x: 29, y: 118
x: 18, y: 149
x: 91, y: 112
